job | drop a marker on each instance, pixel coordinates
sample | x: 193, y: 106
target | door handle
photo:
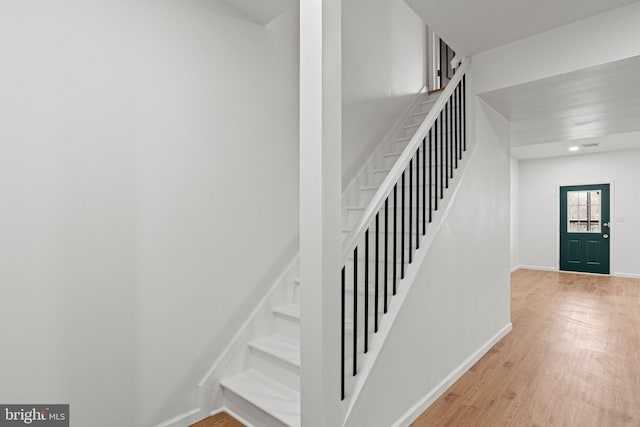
x: 606, y: 236
x: 607, y: 224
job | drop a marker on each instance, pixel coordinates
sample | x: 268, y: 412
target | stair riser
x: 249, y: 412
x: 379, y: 177
x: 390, y: 161
x: 380, y: 174
x: 367, y: 193
x: 381, y: 235
x: 400, y: 144
x: 426, y: 106
x: 286, y: 327
x: 351, y: 218
x: 419, y: 118
x: 409, y: 130
x: 274, y: 368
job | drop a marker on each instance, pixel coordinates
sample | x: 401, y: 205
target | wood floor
x: 572, y: 359
x: 219, y: 420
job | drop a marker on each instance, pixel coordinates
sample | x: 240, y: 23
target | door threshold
x: 585, y: 273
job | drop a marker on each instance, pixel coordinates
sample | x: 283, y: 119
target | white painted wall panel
x: 539, y: 215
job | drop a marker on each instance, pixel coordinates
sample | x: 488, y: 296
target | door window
x: 584, y: 211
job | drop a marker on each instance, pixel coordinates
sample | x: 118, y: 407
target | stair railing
x: 438, y: 145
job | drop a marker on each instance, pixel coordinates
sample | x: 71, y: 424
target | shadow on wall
x: 365, y: 124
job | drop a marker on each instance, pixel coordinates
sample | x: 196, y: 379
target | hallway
x: 572, y: 359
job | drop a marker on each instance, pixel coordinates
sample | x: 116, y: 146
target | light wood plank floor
x: 572, y: 359
x: 219, y: 420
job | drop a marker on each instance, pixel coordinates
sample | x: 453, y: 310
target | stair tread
x: 291, y: 310
x: 399, y: 153
x: 266, y: 394
x: 393, y: 154
x: 280, y: 347
x: 406, y: 138
x: 387, y: 170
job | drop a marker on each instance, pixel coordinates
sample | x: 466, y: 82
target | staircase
x: 259, y: 374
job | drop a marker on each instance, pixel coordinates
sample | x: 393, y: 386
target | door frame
x: 433, y: 53
x: 612, y: 220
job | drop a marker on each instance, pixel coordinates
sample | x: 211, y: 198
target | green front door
x: 584, y: 228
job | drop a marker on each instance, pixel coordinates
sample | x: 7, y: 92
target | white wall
x: 383, y: 62
x: 67, y: 132
x: 217, y: 189
x: 137, y: 142
x: 461, y: 297
x: 594, y: 41
x: 514, y: 186
x: 539, y: 204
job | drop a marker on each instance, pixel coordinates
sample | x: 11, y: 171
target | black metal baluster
x: 431, y: 175
x: 355, y: 310
x: 446, y: 146
x: 402, y: 229
x: 460, y: 117
x: 366, y: 290
x: 441, y: 157
x: 342, y: 336
x: 451, y: 121
x: 435, y: 164
x: 418, y: 198
x: 464, y: 112
x: 410, y: 208
x: 424, y: 182
x: 455, y: 123
x: 395, y: 242
x: 386, y: 255
x: 376, y: 290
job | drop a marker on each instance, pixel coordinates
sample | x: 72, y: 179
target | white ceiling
x: 573, y: 109
x: 470, y: 27
x: 621, y: 141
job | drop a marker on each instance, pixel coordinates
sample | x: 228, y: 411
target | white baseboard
x: 541, y: 268
x: 185, y: 419
x: 627, y: 275
x: 537, y: 267
x: 516, y: 268
x: 414, y: 412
